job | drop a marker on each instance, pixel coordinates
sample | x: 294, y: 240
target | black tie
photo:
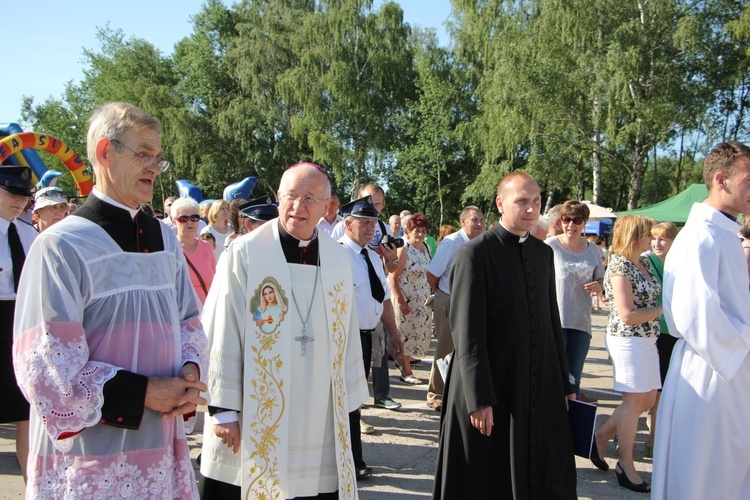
x: 376, y: 287
x: 17, y: 255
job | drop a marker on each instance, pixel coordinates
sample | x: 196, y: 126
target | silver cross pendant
x: 304, y: 339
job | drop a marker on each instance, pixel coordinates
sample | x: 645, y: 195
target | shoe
x: 415, y: 361
x: 622, y: 478
x: 387, y: 403
x: 364, y: 473
x: 436, y: 405
x: 585, y: 399
x: 366, y: 428
x: 411, y: 379
x: 597, y: 460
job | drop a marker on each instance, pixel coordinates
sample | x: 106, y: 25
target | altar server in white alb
x: 703, y: 431
x: 108, y: 346
x: 285, y: 357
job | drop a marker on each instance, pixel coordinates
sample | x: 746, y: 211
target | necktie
x: 376, y: 287
x: 17, y: 255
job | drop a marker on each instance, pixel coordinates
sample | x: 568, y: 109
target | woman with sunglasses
x: 632, y: 331
x: 198, y: 254
x: 578, y: 274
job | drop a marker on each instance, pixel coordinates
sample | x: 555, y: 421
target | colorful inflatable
x: 12, y: 151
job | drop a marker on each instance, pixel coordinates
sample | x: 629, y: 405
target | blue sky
x: 43, y: 45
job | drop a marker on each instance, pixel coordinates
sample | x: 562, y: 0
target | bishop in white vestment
x: 290, y: 382
x: 702, y: 434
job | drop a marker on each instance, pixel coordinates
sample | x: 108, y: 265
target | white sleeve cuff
x: 225, y: 417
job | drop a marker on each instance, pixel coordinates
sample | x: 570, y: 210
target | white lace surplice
x: 89, y: 309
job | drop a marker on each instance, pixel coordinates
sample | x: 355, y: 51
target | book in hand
x: 443, y: 364
x: 582, y: 418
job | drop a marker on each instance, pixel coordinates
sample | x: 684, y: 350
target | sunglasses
x: 577, y: 220
x: 184, y: 218
x: 52, y: 193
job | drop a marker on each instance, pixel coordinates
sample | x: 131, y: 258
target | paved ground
x: 404, y: 447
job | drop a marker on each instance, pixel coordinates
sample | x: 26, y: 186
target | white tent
x: 597, y: 212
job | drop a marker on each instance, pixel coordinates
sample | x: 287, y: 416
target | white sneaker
x: 365, y: 427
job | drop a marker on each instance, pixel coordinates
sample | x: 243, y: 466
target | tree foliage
x: 616, y: 101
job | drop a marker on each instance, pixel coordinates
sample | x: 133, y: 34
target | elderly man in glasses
x: 286, y: 360
x: 110, y: 351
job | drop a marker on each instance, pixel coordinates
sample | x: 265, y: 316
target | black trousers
x: 216, y: 490
x: 365, y: 337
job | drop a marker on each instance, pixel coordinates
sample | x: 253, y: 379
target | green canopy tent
x: 674, y: 209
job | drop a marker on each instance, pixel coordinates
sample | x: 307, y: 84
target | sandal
x: 411, y: 379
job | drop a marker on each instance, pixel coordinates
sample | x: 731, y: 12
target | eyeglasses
x: 577, y: 220
x: 147, y: 161
x: 184, y: 218
x: 305, y: 200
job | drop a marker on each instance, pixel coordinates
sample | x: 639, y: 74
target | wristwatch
x: 394, y: 261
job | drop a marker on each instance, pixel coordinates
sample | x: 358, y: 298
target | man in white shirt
x: 331, y: 216
x: 439, y: 278
x: 702, y: 447
x: 16, y: 238
x: 373, y: 298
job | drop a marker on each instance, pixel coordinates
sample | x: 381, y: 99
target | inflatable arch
x: 13, y: 144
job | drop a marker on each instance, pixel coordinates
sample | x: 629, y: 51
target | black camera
x: 390, y: 240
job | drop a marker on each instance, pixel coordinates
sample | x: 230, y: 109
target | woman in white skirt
x: 631, y: 340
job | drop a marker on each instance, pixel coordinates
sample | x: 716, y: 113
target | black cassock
x: 509, y: 354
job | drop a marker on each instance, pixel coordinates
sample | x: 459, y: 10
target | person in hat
x: 281, y: 391
x: 109, y: 349
x: 373, y: 298
x: 16, y: 238
x: 257, y: 212
x: 50, y: 206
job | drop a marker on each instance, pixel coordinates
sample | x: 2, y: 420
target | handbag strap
x: 203, y: 285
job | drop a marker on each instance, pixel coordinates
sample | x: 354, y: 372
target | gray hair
x: 112, y: 121
x: 184, y: 203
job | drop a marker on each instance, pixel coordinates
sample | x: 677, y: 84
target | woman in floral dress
x: 410, y: 290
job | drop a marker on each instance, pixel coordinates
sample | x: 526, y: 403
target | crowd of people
x: 275, y: 314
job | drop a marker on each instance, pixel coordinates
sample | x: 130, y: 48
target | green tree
x: 352, y: 81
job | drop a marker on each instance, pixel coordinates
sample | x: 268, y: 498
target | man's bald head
x: 519, y: 202
x: 514, y: 179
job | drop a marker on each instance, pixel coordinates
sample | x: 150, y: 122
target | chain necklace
x: 304, y: 338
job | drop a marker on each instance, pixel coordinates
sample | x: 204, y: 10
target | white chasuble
x: 293, y: 382
x: 702, y: 447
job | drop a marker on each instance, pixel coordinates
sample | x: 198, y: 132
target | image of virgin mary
x: 271, y: 309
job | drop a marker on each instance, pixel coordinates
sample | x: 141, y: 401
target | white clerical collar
x: 305, y: 243
x: 521, y: 238
x: 106, y: 199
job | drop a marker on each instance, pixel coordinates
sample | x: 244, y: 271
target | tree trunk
x: 636, y: 176
x: 597, y: 156
x: 550, y: 199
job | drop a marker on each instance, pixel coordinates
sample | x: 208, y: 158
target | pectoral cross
x: 304, y: 339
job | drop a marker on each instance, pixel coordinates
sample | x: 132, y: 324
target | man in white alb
x: 285, y: 361
x: 702, y: 447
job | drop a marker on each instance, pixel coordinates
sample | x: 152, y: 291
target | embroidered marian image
x: 269, y: 305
